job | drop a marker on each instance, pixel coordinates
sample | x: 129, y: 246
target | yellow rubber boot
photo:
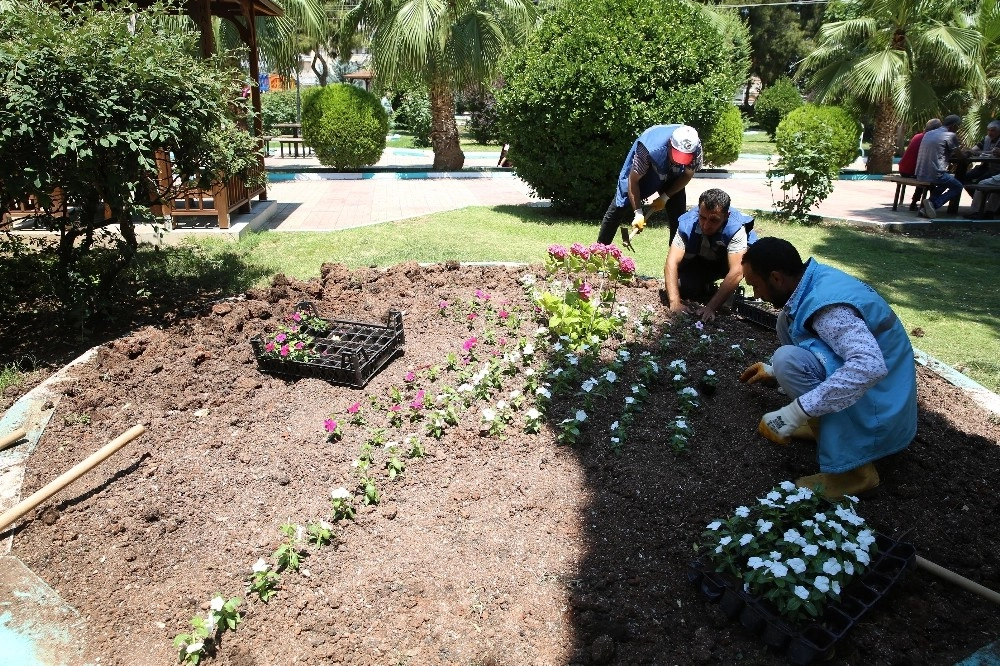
x: 835, y: 486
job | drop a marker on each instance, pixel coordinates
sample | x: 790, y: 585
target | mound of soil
x: 489, y: 550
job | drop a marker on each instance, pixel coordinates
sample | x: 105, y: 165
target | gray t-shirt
x: 937, y: 146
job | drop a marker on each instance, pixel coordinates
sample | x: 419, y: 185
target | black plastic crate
x: 817, y: 640
x: 754, y: 311
x: 351, y: 352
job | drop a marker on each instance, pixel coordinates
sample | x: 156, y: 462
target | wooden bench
x: 901, y: 183
x: 293, y: 143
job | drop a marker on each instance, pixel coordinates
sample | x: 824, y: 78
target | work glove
x: 658, y: 203
x: 758, y: 372
x: 778, y: 426
x: 638, y: 222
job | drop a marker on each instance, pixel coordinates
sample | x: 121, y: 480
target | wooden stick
x: 13, y: 437
x: 961, y: 581
x: 68, y: 477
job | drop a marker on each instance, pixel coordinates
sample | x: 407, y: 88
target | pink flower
x: 269, y: 347
x: 504, y: 314
x: 472, y: 315
x: 579, y: 250
x: 600, y: 249
x: 353, y: 409
x: 284, y: 351
x: 409, y: 376
x: 418, y: 401
x: 330, y: 425
x: 557, y: 252
x: 280, y: 337
x: 469, y: 344
x: 502, y: 341
x: 626, y: 265
x: 615, y: 252
x: 296, y: 317
x: 299, y: 345
x: 585, y: 290
x: 395, y: 408
x: 442, y: 305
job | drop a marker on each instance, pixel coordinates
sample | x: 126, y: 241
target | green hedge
x: 839, y: 131
x: 277, y: 106
x: 345, y: 125
x: 593, y: 76
x: 414, y: 113
x: 774, y: 103
x: 723, y: 143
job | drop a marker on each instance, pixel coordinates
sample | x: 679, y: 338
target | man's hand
x: 678, y: 307
x: 758, y: 372
x: 659, y: 203
x: 706, y: 313
x: 778, y: 426
x: 638, y: 222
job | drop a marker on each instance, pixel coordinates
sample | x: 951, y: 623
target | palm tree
x: 896, y: 57
x: 983, y: 99
x: 446, y: 44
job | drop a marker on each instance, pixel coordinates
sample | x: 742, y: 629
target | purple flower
x: 280, y: 337
x: 418, y: 401
x: 600, y: 249
x: 469, y: 344
x: 395, y: 408
x: 296, y: 316
x: 580, y: 251
x: 330, y: 425
x: 584, y: 290
x: 442, y: 305
x: 557, y: 252
x: 615, y: 252
x: 354, y: 409
x: 699, y: 325
x: 482, y: 294
x: 626, y: 265
x: 409, y: 376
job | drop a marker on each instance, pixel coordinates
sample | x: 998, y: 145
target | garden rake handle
x: 69, y: 476
x: 961, y: 581
x: 12, y: 438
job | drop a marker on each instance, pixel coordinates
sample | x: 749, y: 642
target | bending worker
x: 845, y: 361
x: 662, y: 161
x: 710, y: 243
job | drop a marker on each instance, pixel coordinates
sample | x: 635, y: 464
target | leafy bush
x: 831, y: 123
x: 483, y: 120
x: 774, y: 103
x: 723, y: 143
x: 805, y: 168
x: 414, y: 113
x: 575, y: 99
x: 277, y: 106
x: 345, y: 125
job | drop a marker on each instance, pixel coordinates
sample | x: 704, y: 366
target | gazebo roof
x: 233, y: 8
x: 361, y: 74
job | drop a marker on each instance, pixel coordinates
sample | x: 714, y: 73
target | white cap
x: 684, y: 143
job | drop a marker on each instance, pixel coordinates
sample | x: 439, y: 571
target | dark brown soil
x: 512, y: 550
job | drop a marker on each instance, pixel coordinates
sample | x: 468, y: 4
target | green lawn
x: 757, y: 143
x: 939, y: 285
x: 469, y: 144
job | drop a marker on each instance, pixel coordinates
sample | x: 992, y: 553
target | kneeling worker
x: 709, y: 246
x: 845, y: 360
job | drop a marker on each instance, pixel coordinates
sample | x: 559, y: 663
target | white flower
x: 629, y: 400
x: 725, y: 541
x: 194, y: 647
x: 837, y: 527
x: 742, y: 511
x: 584, y: 348
x: 615, y: 440
x: 745, y: 539
x: 528, y: 279
x: 589, y: 385
x: 764, y: 525
x: 557, y: 347
x: 808, y: 523
x: 340, y: 493
x: 836, y: 587
x: 610, y: 377
x: 806, y: 493
x: 822, y: 583
x: 687, y: 390
x: 755, y: 563
x: 465, y: 388
x: 636, y: 388
x: 540, y: 331
x: 529, y: 372
x: 594, y: 339
x: 811, y: 550
x: 774, y: 496
x: 528, y: 350
x: 792, y: 536
x: 614, y: 426
x: 678, y: 378
x: 778, y: 569
x: 654, y: 366
x: 624, y: 355
x: 489, y: 414
x: 557, y: 372
x: 775, y: 555
x: 217, y: 603
x: 210, y: 622
x: 862, y: 557
x: 515, y: 394
x: 849, y: 568
x: 572, y: 358
x: 829, y: 544
x: 801, y: 592
x: 832, y: 567
x: 261, y: 565
x: 581, y: 416
x: 533, y: 414
x: 710, y: 373
x: 714, y: 525
x: 681, y: 424
x: 797, y: 564
x: 820, y: 517
x: 678, y: 365
x: 865, y: 538
x: 544, y: 392
x: 787, y: 486
x: 389, y: 446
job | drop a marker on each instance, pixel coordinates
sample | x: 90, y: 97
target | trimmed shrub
x: 414, y: 113
x: 345, y: 125
x: 575, y: 99
x: 774, y: 103
x: 723, y: 143
x: 483, y: 120
x: 830, y: 123
x: 277, y: 106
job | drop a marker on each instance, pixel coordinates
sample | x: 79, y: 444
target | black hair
x: 771, y: 254
x: 715, y: 199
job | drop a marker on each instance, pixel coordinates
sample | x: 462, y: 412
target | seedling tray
x: 815, y: 641
x: 755, y: 311
x: 351, y: 352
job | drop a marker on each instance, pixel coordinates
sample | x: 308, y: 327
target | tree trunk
x: 448, y: 155
x: 883, y: 143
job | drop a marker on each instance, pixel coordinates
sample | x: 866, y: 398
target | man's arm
x: 680, y: 183
x: 843, y: 329
x: 634, y: 194
x: 670, y: 279
x: 726, y: 289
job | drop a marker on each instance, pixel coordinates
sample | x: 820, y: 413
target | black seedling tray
x: 351, y: 352
x: 754, y: 310
x: 815, y: 641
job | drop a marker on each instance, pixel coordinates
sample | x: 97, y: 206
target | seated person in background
x: 908, y: 163
x: 709, y: 245
x: 990, y: 145
x: 936, y: 149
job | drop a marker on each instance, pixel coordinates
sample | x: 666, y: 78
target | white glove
x: 639, y: 221
x: 778, y: 426
x: 659, y: 203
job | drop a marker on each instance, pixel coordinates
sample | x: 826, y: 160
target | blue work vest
x: 884, y: 420
x: 690, y: 232
x: 656, y: 139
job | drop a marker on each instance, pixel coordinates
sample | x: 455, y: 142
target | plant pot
x: 712, y: 586
x: 814, y: 643
x: 776, y: 633
x: 694, y: 573
x: 753, y: 617
x: 733, y: 601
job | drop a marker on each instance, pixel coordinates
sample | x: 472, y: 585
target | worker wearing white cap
x: 662, y: 162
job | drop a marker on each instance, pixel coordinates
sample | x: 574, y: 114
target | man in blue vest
x: 662, y: 161
x: 845, y: 361
x: 709, y: 245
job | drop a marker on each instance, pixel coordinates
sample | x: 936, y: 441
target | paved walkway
x: 330, y: 202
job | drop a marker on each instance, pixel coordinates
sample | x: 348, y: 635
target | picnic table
x: 290, y: 138
x: 962, y: 167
